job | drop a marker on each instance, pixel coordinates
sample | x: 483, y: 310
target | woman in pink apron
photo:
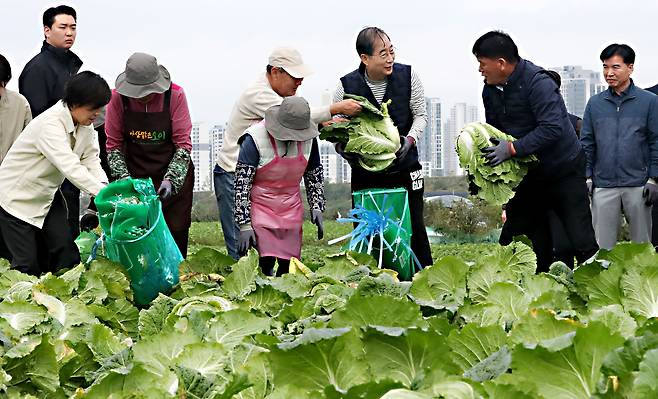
x: 275, y: 155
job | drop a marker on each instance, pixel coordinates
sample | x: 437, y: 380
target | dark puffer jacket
x: 530, y: 108
x: 44, y: 77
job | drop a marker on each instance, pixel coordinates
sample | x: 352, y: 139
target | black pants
x: 654, y: 225
x: 562, y: 248
x: 266, y: 264
x: 564, y: 192
x: 36, y: 251
x: 4, y: 251
x: 412, y: 181
x: 181, y: 238
x: 72, y: 205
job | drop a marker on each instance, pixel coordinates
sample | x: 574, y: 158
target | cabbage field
x: 477, y: 324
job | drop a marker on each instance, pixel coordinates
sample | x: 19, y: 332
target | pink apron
x: 277, y: 212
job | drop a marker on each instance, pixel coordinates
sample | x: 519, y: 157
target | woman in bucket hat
x: 148, y: 128
x: 275, y: 155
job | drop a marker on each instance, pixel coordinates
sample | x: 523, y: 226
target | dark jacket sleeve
x: 314, y: 157
x: 548, y: 108
x: 314, y: 179
x: 652, y: 136
x: 248, y: 154
x: 33, y: 86
x: 588, y: 141
x: 245, y: 171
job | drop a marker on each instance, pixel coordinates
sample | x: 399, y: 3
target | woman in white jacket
x: 60, y: 143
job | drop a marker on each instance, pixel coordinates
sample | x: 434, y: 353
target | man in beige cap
x: 284, y: 74
x: 275, y: 155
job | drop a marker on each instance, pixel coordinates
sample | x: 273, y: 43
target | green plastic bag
x: 136, y: 236
x: 394, y: 204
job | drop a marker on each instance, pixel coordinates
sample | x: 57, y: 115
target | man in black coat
x: 44, y: 77
x: 654, y: 211
x: 522, y: 100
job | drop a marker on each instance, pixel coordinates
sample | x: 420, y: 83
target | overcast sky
x: 215, y: 48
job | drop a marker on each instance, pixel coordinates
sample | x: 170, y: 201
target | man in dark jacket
x: 379, y: 79
x: 44, y: 77
x: 620, y: 137
x: 654, y: 211
x: 522, y: 100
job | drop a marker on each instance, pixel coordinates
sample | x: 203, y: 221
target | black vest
x: 398, y: 90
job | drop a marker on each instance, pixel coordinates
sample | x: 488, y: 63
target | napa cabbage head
x: 371, y: 134
x: 495, y: 183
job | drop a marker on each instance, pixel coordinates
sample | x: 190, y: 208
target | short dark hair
x: 623, y: 50
x: 87, y: 89
x: 496, y: 44
x: 365, y: 40
x: 50, y: 14
x: 5, y: 70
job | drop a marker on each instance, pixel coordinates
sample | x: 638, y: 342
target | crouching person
x: 60, y: 143
x: 274, y: 156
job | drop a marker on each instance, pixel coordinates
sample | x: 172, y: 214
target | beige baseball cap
x: 290, y: 60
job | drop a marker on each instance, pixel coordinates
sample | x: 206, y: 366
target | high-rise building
x: 329, y: 160
x: 430, y: 146
x: 460, y: 115
x: 578, y: 85
x: 216, y: 139
x: 202, y: 156
x: 336, y: 169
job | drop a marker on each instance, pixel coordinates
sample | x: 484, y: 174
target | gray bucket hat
x: 291, y: 121
x: 142, y: 77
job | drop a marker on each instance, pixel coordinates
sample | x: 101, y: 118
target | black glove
x: 246, y: 240
x: 500, y: 152
x: 408, y: 143
x: 316, y: 219
x: 590, y: 187
x: 348, y: 156
x: 165, y: 190
x: 650, y: 193
x: 89, y: 221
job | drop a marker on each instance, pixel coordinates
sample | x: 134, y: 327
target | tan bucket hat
x: 142, y: 77
x: 291, y: 121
